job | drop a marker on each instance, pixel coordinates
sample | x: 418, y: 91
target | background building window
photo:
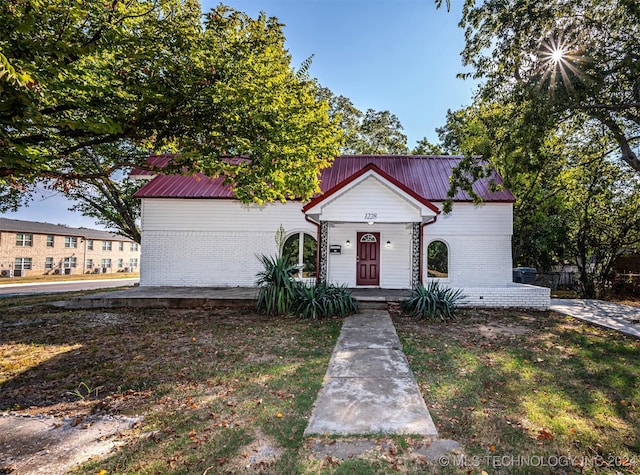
x: 24, y: 240
x: 106, y: 246
x: 120, y: 246
x: 48, y: 263
x: 69, y: 262
x: 133, y: 263
x: 120, y: 263
x: 70, y: 241
x: 301, y: 248
x: 89, y: 263
x: 90, y: 245
x: 438, y: 260
x: 23, y: 263
x: 134, y: 246
x: 50, y: 240
x: 106, y: 263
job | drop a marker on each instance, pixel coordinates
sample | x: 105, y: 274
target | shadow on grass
x: 207, y: 382
x: 556, y: 387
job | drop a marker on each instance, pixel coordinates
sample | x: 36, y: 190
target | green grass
x: 217, y: 387
x: 557, y: 387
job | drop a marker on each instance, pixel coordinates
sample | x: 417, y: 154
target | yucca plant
x: 433, y: 302
x: 276, y: 284
x: 323, y: 300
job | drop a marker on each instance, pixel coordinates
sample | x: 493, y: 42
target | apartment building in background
x: 34, y: 248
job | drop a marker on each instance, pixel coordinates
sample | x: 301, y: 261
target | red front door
x: 368, y: 259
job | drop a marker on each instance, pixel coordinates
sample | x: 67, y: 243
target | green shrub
x: 322, y: 301
x: 433, y: 302
x: 276, y: 285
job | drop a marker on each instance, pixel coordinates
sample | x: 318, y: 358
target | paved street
x: 67, y: 286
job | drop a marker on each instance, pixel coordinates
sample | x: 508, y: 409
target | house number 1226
x: 370, y: 215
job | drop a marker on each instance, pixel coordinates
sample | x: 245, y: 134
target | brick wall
x: 513, y: 295
x: 39, y: 251
x: 201, y: 258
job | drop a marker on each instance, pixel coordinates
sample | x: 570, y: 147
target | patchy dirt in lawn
x: 71, y: 383
x: 42, y: 444
x: 257, y: 457
x: 479, y: 323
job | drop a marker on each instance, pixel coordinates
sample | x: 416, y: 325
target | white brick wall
x: 513, y: 295
x: 193, y: 258
x: 474, y: 259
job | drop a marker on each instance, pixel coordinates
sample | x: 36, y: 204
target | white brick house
x: 377, y: 223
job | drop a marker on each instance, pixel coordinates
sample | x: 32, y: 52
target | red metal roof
x: 427, y: 176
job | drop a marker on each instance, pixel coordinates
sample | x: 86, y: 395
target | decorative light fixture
x: 388, y: 244
x: 370, y: 223
x: 347, y: 244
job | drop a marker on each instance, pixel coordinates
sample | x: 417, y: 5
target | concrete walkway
x: 623, y: 318
x: 368, y: 387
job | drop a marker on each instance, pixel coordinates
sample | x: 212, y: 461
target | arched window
x: 438, y: 260
x: 302, y: 249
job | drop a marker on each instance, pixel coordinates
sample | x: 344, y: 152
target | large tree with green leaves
x: 602, y: 198
x: 152, y: 74
x: 370, y: 133
x: 558, y: 58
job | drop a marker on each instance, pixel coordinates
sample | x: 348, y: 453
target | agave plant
x: 433, y: 302
x: 323, y: 300
x: 276, y: 284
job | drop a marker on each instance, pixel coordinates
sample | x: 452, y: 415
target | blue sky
x: 395, y: 55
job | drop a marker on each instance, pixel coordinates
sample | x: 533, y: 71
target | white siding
x: 220, y: 215
x: 370, y: 196
x: 395, y: 262
x: 211, y: 242
x: 468, y: 218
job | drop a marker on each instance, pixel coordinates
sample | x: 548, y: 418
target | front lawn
x: 227, y: 391
x: 520, y: 390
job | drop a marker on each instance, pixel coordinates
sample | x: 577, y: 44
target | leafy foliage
x: 153, y: 75
x: 432, y: 302
x: 556, y: 59
x: 277, y: 287
x: 603, y: 206
x: 281, y: 294
x: 371, y: 133
x: 322, y: 300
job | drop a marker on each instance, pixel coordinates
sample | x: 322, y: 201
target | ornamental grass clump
x: 433, y: 302
x: 323, y: 300
x: 276, y: 285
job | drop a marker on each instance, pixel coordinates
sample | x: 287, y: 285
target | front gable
x: 371, y: 196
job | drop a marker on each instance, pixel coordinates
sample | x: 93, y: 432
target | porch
x: 207, y: 297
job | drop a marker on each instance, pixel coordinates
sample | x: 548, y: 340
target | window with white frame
x: 50, y: 240
x: 70, y: 241
x: 22, y: 263
x: 90, y: 245
x: 69, y: 262
x: 301, y: 249
x: 120, y: 263
x: 89, y: 263
x: 48, y: 262
x: 134, y: 246
x: 120, y: 246
x: 106, y: 245
x: 438, y: 260
x: 133, y: 263
x: 24, y: 240
x: 106, y: 263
